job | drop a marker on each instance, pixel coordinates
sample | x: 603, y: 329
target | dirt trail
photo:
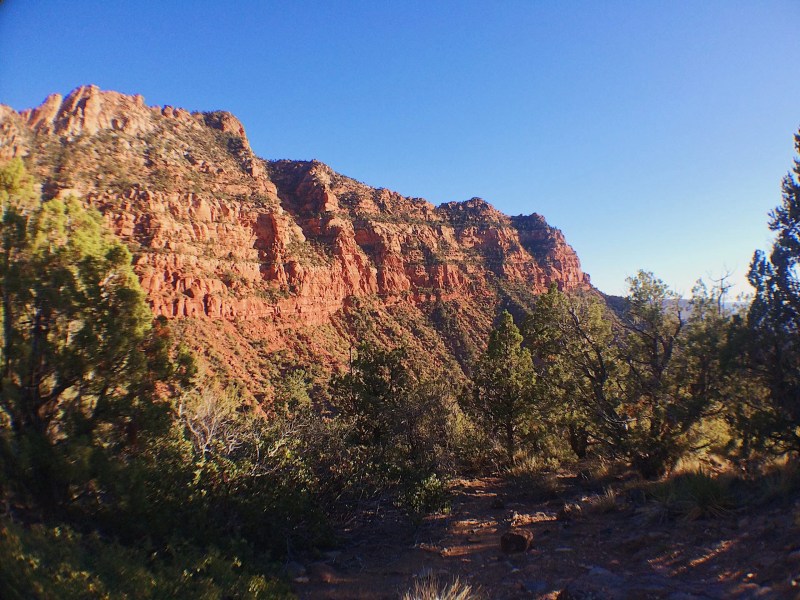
x: 627, y: 552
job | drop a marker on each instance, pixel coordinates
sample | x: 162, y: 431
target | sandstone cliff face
x: 255, y: 258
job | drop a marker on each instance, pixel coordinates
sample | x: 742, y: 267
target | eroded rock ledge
x: 220, y: 234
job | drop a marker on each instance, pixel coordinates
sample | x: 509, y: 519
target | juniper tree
x: 574, y: 341
x: 504, y: 380
x: 77, y: 334
x: 774, y: 319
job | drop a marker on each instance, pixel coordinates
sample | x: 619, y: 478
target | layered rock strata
x: 223, y: 238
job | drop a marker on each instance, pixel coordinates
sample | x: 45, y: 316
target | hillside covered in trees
x: 213, y: 366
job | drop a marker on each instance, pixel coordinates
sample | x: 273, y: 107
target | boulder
x: 516, y: 540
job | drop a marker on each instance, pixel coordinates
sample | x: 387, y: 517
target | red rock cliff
x: 259, y: 257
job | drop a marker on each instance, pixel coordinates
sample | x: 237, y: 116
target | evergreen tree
x: 774, y: 319
x: 654, y: 403
x: 504, y: 385
x: 77, y: 336
x: 634, y: 385
x: 575, y: 347
x: 398, y: 411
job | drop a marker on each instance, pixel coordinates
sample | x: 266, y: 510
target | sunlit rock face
x: 254, y: 258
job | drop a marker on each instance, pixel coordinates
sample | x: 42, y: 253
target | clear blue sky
x: 654, y: 134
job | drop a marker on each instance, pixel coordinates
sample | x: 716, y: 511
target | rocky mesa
x: 266, y: 263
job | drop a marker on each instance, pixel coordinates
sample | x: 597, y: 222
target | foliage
x: 503, y: 399
x: 634, y: 385
x: 292, y: 391
x: 425, y: 496
x: 470, y: 446
x: 575, y: 344
x: 398, y: 411
x: 250, y: 478
x: 451, y: 326
x: 45, y: 561
x: 537, y: 478
x: 695, y: 494
x: 774, y: 322
x: 716, y: 388
x: 777, y: 480
x: 90, y: 440
x: 657, y: 409
x: 80, y: 356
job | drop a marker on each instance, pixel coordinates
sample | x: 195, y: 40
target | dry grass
x: 571, y: 511
x: 780, y: 480
x: 535, y: 478
x: 431, y: 588
x: 711, y: 487
x: 600, y: 470
x: 604, y: 503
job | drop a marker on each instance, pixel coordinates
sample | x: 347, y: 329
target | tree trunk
x: 578, y: 440
x: 510, y: 445
x: 31, y: 392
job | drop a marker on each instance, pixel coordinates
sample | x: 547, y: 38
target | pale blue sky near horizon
x: 653, y: 134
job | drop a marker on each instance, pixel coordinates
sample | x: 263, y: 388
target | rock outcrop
x: 257, y: 258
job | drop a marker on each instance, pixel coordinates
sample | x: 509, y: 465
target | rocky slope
x: 263, y: 263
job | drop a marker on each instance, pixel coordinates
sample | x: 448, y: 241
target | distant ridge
x: 264, y: 261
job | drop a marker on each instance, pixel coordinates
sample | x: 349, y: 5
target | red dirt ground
x: 628, y: 552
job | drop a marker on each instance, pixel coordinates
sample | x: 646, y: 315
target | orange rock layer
x: 222, y: 235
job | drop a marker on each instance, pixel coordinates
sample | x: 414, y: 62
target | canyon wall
x: 262, y: 264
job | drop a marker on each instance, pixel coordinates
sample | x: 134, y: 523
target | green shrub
x: 423, y: 497
x: 55, y: 561
x: 695, y: 494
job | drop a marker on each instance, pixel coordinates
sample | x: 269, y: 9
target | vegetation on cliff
x: 122, y: 451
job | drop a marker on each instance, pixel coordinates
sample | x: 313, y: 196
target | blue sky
x: 654, y: 134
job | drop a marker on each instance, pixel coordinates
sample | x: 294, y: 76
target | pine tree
x: 77, y: 334
x: 504, y: 385
x: 774, y: 318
